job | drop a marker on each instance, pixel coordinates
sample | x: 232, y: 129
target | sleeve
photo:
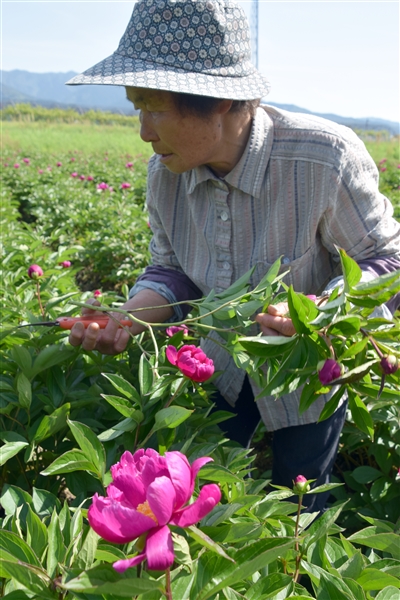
x: 359, y: 218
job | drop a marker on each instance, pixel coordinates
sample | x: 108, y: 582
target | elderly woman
x: 234, y: 185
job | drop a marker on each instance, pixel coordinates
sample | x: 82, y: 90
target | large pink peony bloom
x: 191, y: 361
x: 149, y: 492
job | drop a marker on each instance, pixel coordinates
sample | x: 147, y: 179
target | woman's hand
x: 114, y: 339
x: 275, y: 321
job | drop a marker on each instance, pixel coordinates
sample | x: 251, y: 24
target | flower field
x: 116, y: 480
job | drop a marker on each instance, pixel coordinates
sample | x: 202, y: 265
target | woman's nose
x: 147, y: 131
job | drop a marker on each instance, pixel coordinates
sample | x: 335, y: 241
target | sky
x: 329, y: 57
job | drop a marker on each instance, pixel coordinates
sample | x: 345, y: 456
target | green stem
x: 168, y: 590
x: 296, y: 533
x: 38, y: 297
x: 182, y: 384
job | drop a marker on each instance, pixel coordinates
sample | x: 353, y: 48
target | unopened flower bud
x: 301, y: 485
x: 389, y: 364
x: 65, y: 264
x: 35, y: 271
x: 97, y: 293
x: 328, y: 370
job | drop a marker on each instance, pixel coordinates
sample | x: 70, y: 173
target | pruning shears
x: 69, y: 322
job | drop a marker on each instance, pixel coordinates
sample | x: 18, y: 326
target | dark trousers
x: 308, y: 450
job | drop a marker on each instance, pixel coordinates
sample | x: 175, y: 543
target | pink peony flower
x: 35, y: 271
x: 382, y: 161
x: 89, y: 178
x: 301, y: 485
x: 97, y: 293
x: 389, y: 364
x: 26, y: 160
x: 16, y: 166
x: 383, y: 169
x: 82, y: 177
x: 6, y: 164
x: 170, y: 331
x: 49, y: 168
x: 74, y: 174
x: 103, y: 186
x: 59, y: 164
x: 312, y: 297
x: 148, y: 493
x: 40, y: 171
x: 73, y: 159
x: 192, y: 361
x: 328, y: 370
x: 129, y: 165
x: 65, y: 264
x: 125, y: 185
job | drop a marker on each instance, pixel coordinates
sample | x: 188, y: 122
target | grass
x: 89, y: 138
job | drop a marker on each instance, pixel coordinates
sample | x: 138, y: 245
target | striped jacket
x: 302, y: 186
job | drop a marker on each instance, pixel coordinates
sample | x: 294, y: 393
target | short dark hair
x: 202, y: 106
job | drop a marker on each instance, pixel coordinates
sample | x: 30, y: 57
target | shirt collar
x: 248, y: 174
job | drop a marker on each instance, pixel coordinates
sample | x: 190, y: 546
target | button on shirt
x: 303, y: 186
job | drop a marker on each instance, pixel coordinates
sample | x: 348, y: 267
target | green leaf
x: 87, y: 553
x: 329, y: 588
x: 302, y: 311
x: 366, y: 474
x: 50, y: 356
x: 122, y: 405
x: 56, y: 549
x: 346, y: 326
x: 44, y: 502
x: 51, y: 424
x: 387, y: 542
x: 22, y: 357
x: 355, y: 374
x: 354, y: 349
x: 360, y: 414
x: 332, y: 404
x: 267, y: 587
x: 90, y: 445
x: 104, y: 579
x: 30, y: 579
x: 36, y: 536
x: 267, y: 345
x: 24, y: 389
x: 9, y: 450
x: 124, y: 387
x: 145, y: 375
x: 13, y: 548
x: 321, y: 526
x: 171, y: 417
x: 351, y: 271
x: 213, y: 472
x: 239, y: 286
x: 73, y: 460
x: 376, y: 285
x: 373, y: 579
x: 389, y: 593
x: 12, y: 497
x: 108, y: 553
x: 248, y: 560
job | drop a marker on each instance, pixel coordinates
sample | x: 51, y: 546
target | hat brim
x: 121, y: 70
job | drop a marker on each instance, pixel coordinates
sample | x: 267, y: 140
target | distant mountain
x: 49, y: 89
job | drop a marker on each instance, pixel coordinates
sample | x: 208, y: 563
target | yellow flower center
x: 146, y: 510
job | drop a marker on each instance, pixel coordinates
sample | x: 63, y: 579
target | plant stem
x: 296, y: 533
x: 168, y: 590
x: 38, y: 297
x: 182, y: 384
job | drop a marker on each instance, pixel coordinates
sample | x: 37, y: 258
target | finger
x: 282, y: 325
x: 281, y: 309
x: 90, y: 339
x: 77, y: 334
x: 87, y: 311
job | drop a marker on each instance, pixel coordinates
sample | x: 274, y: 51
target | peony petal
x: 116, y: 522
x: 154, y: 467
x: 195, y: 468
x: 159, y: 549
x: 172, y: 354
x: 181, y: 476
x: 123, y: 565
x: 161, y: 498
x: 209, y: 496
x: 127, y: 478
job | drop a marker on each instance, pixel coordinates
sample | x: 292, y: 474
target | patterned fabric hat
x: 190, y: 46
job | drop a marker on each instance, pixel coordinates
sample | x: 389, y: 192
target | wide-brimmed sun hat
x: 197, y: 47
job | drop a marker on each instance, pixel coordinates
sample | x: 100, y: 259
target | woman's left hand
x: 275, y: 321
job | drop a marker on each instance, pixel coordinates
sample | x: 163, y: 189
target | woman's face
x: 183, y: 141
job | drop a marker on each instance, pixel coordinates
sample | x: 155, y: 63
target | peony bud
x: 170, y: 331
x: 103, y: 186
x: 389, y: 364
x: 97, y: 293
x: 125, y: 185
x: 65, y: 264
x: 301, y: 485
x: 328, y: 370
x: 35, y: 271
